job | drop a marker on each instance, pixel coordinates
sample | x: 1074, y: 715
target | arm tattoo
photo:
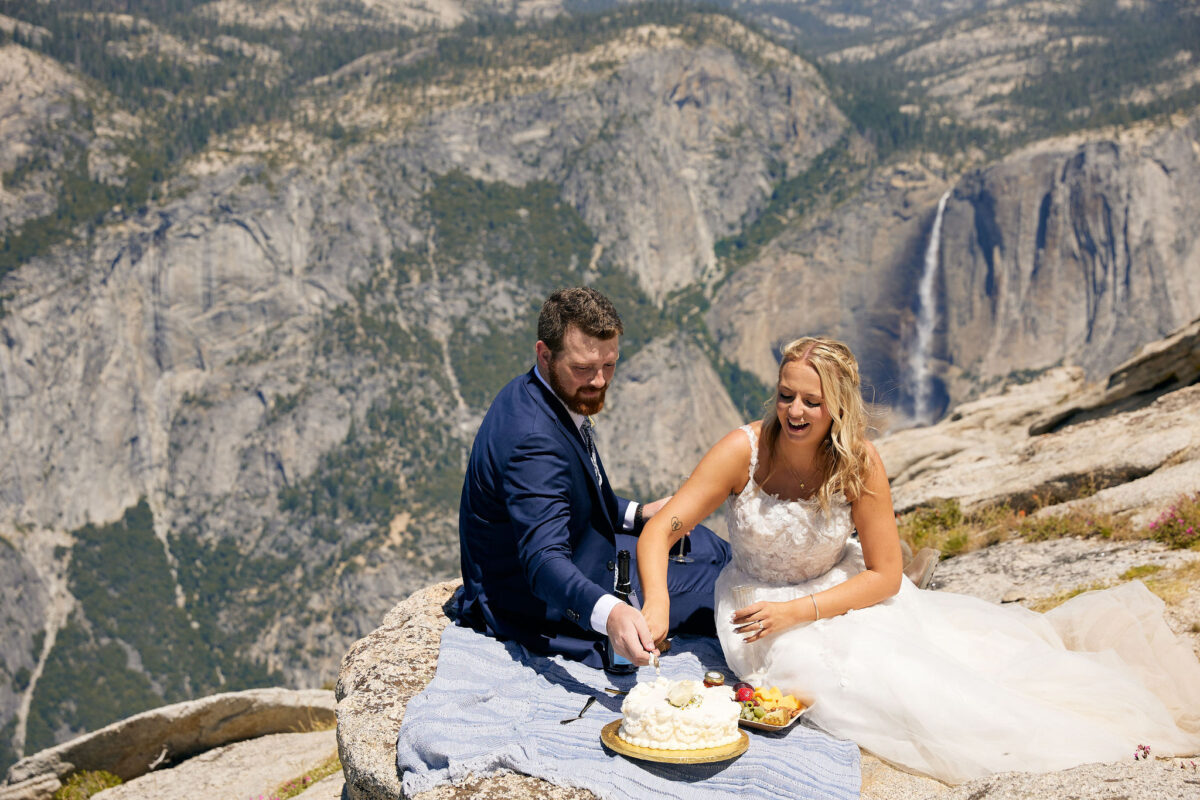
x: 676, y: 524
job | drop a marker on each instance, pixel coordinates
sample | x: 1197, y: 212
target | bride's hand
x: 762, y: 619
x: 658, y: 619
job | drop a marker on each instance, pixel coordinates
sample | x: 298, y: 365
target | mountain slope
x: 260, y: 276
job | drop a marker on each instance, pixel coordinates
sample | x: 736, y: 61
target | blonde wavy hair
x: 845, y: 458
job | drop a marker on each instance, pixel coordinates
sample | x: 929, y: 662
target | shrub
x: 946, y: 527
x: 1179, y: 525
x: 928, y: 526
x: 82, y: 785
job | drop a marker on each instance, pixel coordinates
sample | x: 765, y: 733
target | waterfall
x: 918, y: 359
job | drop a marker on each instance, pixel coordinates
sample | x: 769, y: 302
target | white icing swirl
x: 653, y: 718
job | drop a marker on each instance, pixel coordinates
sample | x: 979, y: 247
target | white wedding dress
x: 950, y: 685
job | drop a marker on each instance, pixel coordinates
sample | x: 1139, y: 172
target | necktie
x: 589, y: 441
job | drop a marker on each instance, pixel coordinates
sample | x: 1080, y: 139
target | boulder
x: 1159, y: 367
x: 141, y: 743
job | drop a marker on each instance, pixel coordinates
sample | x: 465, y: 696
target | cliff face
x: 851, y: 272
x: 1072, y: 253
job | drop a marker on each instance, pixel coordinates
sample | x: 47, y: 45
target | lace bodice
x: 784, y: 541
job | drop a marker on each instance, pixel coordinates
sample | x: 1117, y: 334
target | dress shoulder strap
x: 753, y: 449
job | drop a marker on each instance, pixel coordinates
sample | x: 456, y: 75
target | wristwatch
x: 639, y: 519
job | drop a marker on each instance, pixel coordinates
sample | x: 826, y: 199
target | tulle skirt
x: 956, y: 687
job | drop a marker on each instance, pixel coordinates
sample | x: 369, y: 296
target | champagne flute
x: 680, y: 558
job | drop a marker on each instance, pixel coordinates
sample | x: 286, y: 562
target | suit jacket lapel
x: 559, y: 412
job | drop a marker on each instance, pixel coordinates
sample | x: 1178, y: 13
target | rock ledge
x: 166, y: 735
x: 392, y: 664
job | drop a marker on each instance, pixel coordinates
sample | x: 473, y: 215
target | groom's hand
x: 650, y: 509
x: 630, y: 635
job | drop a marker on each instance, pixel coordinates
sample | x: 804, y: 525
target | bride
x: 943, y: 684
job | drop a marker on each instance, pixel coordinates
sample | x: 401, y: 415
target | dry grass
x: 302, y: 783
x: 1171, y: 585
x: 1044, y: 604
x: 1141, y: 571
x: 1074, y: 523
x: 1175, y: 584
x: 315, y: 720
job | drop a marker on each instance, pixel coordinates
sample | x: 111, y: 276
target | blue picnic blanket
x: 495, y: 706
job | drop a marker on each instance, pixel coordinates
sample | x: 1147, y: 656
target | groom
x: 539, y: 525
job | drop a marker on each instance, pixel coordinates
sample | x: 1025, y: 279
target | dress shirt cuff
x: 600, y: 612
x: 630, y: 510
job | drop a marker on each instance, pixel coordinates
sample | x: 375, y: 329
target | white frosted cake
x: 679, y: 715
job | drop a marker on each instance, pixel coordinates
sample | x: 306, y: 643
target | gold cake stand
x: 608, y: 735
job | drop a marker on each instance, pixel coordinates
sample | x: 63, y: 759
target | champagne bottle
x: 613, y: 661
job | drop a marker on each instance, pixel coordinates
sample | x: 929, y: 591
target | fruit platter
x: 766, y: 709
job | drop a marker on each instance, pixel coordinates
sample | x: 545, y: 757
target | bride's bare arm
x: 875, y: 521
x: 723, y: 470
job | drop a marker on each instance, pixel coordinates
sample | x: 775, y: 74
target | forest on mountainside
x: 213, y: 88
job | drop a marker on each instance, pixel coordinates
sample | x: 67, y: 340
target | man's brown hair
x: 581, y: 306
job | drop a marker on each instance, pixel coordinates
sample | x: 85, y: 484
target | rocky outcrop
x: 26, y: 603
x: 1133, y: 463
x: 379, y: 675
x: 387, y: 668
x: 36, y: 99
x: 1159, y: 367
x: 296, y: 14
x: 1130, y: 446
x: 163, y: 736
x: 247, y: 769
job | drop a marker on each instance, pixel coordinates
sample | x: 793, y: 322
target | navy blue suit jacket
x: 537, y: 532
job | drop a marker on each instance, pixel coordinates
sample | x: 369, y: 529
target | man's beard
x: 579, y: 403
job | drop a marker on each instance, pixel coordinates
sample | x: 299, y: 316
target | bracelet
x: 816, y: 610
x: 639, y: 519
